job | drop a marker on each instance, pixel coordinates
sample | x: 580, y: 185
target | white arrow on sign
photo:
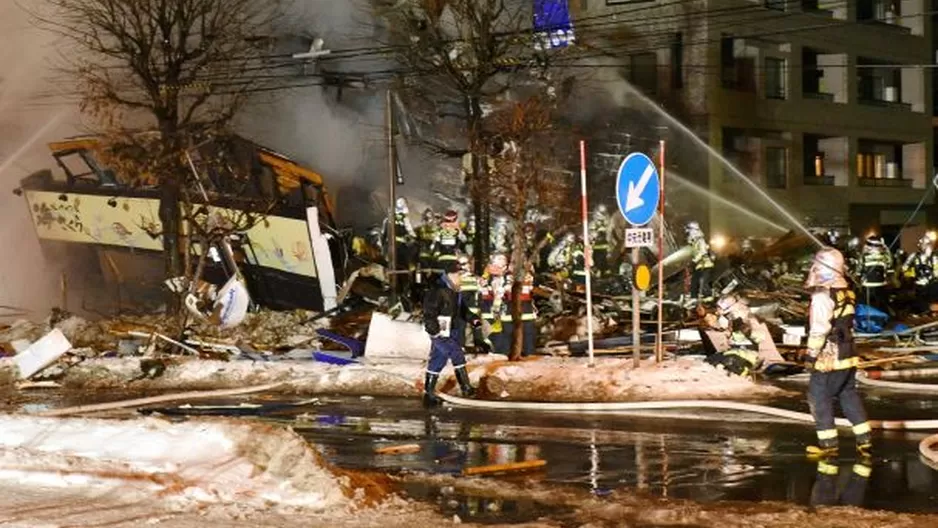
x: 633, y: 200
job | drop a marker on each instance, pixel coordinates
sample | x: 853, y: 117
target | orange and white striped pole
x: 587, y: 250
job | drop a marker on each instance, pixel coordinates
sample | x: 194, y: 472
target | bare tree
x: 528, y: 171
x: 458, y: 57
x: 180, y: 67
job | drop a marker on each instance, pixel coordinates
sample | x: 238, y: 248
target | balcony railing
x: 884, y: 182
x: 820, y: 96
x: 819, y: 180
x: 886, y: 104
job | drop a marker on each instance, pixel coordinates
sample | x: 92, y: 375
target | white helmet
x: 693, y: 231
x: 875, y: 241
x: 401, y: 206
x: 601, y: 209
x: 569, y: 238
x: 827, y: 270
x: 926, y: 244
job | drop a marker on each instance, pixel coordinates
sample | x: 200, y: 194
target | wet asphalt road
x: 725, y: 456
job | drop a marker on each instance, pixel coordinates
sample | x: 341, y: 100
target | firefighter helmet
x: 450, y: 216
x: 401, y: 207
x: 693, y: 231
x: 428, y: 215
x: 827, y: 270
x: 926, y: 244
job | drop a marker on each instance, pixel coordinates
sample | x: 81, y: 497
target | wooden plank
x: 503, y: 468
x: 398, y: 449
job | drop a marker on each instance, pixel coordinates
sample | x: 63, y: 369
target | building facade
x: 826, y: 105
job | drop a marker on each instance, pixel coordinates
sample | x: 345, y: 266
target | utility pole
x: 392, y: 199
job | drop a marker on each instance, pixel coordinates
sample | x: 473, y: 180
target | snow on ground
x: 188, y: 463
x: 573, y: 380
x: 538, y: 379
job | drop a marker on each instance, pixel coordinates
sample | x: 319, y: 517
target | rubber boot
x: 429, y: 390
x: 463, y: 378
x: 824, y: 450
x: 864, y: 446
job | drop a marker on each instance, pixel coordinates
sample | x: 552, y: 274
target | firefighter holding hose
x: 832, y: 359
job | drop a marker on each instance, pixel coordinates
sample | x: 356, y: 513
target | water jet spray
x: 735, y: 171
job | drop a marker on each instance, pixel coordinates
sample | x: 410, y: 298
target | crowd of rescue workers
x: 459, y: 304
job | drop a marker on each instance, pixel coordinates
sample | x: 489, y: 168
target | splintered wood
x: 405, y: 449
x: 527, y: 465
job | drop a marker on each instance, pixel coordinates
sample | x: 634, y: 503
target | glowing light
x: 718, y: 242
x: 932, y: 235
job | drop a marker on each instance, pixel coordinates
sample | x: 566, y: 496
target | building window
x: 737, y: 70
x: 677, y: 62
x: 644, y: 72
x: 775, y: 74
x: 776, y: 167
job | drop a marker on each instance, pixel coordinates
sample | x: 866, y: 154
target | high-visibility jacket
x: 830, y: 329
x: 875, y: 264
x: 921, y: 267
x: 449, y: 240
x: 470, y: 289
x: 701, y: 255
x: 426, y: 236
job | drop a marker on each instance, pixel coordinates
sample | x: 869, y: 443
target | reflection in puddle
x: 708, y: 464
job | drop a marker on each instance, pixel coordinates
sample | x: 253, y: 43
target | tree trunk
x: 519, y: 265
x: 479, y: 179
x: 169, y: 217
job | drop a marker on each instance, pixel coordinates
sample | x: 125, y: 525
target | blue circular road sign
x: 638, y: 189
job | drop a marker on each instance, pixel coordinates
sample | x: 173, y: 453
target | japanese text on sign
x: 637, y: 238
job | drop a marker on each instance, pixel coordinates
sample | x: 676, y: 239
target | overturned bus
x: 288, y: 260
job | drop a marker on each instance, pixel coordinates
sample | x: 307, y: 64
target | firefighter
x: 745, y: 344
x: 491, y: 292
x: 921, y: 268
x: 599, y: 235
x: 445, y: 315
x: 501, y: 236
x: 449, y: 241
x: 469, y: 285
x: 558, y: 256
x: 853, y: 255
x: 832, y: 238
x: 832, y: 359
x: 426, y: 235
x: 404, y: 233
x: 875, y: 269
x: 701, y: 290
x: 469, y: 231
x: 528, y: 315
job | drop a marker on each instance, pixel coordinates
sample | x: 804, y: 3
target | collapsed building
x: 288, y: 259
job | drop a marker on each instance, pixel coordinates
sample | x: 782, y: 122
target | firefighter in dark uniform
x: 450, y: 240
x: 426, y: 235
x: 445, y: 315
x: 470, y: 287
x: 599, y: 236
x: 832, y: 358
x: 920, y: 268
x: 875, y: 270
x: 576, y: 263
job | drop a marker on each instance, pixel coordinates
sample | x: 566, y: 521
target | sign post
x: 587, y: 250
x: 659, y: 349
x: 638, y: 191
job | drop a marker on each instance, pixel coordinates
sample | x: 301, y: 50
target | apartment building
x: 826, y: 104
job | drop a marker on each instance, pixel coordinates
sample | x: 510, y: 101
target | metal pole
x: 392, y: 185
x: 636, y: 326
x: 659, y: 349
x: 587, y: 250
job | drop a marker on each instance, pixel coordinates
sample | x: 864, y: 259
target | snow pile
x: 196, y: 462
x: 573, y: 380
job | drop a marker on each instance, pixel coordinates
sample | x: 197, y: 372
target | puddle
x: 481, y: 509
x: 733, y: 457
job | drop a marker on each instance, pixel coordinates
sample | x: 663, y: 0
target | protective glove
x: 809, y: 362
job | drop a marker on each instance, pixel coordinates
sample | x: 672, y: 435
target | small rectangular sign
x: 638, y: 238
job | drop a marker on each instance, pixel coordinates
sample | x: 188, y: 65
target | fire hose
x: 927, y: 453
x: 632, y: 407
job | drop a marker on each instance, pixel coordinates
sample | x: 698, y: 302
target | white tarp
x: 396, y: 339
